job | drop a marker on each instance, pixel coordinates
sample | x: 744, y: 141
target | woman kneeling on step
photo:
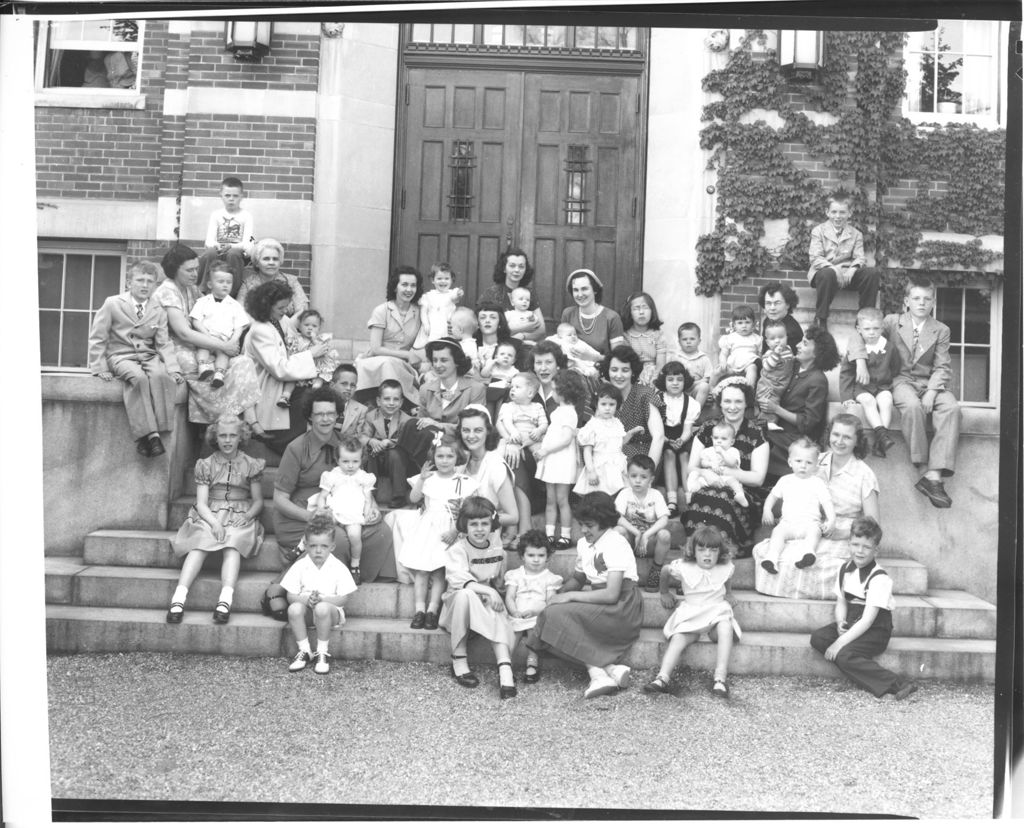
x: 225, y: 519
x: 476, y: 564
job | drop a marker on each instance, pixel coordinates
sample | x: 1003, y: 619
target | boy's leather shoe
x: 935, y: 492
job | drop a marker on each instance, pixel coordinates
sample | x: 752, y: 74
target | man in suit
x: 921, y: 387
x: 129, y: 340
x: 837, y: 262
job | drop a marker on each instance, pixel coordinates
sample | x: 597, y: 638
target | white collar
x: 878, y: 347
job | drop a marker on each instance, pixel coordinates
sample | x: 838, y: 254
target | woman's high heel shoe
x: 506, y: 691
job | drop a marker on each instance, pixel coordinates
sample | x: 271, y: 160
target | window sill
x: 927, y: 120
x: 82, y: 100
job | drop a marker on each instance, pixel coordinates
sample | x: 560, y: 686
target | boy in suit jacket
x: 921, y: 387
x: 385, y: 460
x: 129, y: 340
x: 837, y: 261
x: 352, y: 420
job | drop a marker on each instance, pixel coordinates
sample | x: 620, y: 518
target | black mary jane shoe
x: 466, y: 679
x: 176, y: 613
x: 534, y: 676
x: 504, y: 690
x: 222, y: 613
x: 142, y: 446
x: 156, y: 446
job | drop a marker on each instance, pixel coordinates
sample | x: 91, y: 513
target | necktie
x: 387, y: 427
x: 917, y: 339
x: 139, y: 308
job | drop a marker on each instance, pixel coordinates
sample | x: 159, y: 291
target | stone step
x: 943, y: 613
x: 136, y: 547
x: 71, y: 629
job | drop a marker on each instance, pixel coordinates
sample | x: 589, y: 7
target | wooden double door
x: 548, y: 162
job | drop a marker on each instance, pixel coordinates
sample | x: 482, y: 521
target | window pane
x: 513, y: 35
x: 978, y: 87
x: 49, y: 336
x: 51, y: 271
x: 629, y: 38
x: 586, y: 37
x: 463, y: 33
x: 972, y: 386
x: 950, y: 80
x: 492, y: 34
x: 106, y: 279
x: 977, y: 316
x: 556, y: 36
x: 421, y: 32
x: 951, y: 36
x: 978, y: 37
x: 78, y: 280
x: 607, y: 37
x: 534, y: 35
x: 921, y: 41
x: 75, y: 345
x: 442, y: 33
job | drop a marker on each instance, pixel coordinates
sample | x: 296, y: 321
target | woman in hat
x: 441, y: 399
x: 598, y: 326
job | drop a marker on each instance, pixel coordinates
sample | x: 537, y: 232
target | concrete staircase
x: 112, y: 596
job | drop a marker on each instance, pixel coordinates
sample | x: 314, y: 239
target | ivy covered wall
x: 781, y: 149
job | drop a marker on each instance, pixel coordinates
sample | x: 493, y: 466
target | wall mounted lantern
x: 801, y: 54
x: 249, y: 40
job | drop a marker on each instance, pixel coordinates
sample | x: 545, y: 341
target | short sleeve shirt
x: 641, y: 512
x: 333, y: 578
x: 871, y: 585
x: 611, y: 553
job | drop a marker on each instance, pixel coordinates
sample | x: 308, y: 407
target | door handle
x: 510, y: 221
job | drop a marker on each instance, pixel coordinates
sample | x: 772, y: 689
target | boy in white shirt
x: 318, y: 586
x: 643, y: 516
x: 229, y: 234
x: 217, y: 314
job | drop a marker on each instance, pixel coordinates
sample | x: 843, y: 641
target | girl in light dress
x: 347, y: 491
x: 602, y: 438
x: 558, y: 456
x: 706, y: 606
x: 425, y: 550
x: 680, y: 414
x: 528, y: 590
x: 643, y: 334
x: 229, y: 499
x: 437, y: 305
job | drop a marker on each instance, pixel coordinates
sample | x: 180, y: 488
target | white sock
x: 180, y: 594
x: 304, y: 646
x: 226, y: 595
x: 567, y: 533
x: 596, y: 673
x: 321, y: 646
x: 549, y: 529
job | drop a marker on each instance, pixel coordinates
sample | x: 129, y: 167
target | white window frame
x: 996, y: 84
x: 994, y: 345
x: 89, y: 98
x: 80, y: 247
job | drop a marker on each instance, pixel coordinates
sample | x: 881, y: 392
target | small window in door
x: 589, y: 38
x: 460, y: 195
x: 576, y: 168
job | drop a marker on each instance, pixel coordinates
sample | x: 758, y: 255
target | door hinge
x: 634, y: 206
x: 402, y: 205
x: 407, y: 95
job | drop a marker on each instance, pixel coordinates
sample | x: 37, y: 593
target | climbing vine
x: 958, y: 170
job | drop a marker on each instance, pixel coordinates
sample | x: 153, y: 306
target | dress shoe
x: 935, y: 492
x: 156, y: 446
x: 142, y: 446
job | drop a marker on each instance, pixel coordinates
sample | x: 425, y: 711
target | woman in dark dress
x: 641, y: 404
x: 714, y: 505
x: 803, y: 406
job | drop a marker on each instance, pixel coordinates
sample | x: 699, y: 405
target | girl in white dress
x: 558, y: 456
x: 425, y: 551
x: 347, y: 491
x: 528, y: 590
x: 703, y: 572
x: 602, y: 438
x: 437, y: 305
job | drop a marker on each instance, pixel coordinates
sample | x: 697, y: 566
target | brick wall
x: 272, y: 155
x: 293, y: 63
x: 746, y: 293
x: 106, y: 153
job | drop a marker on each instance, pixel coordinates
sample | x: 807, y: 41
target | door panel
x: 459, y: 171
x: 549, y: 162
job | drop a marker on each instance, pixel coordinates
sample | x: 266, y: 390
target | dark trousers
x: 390, y: 469
x: 857, y: 659
x: 865, y: 281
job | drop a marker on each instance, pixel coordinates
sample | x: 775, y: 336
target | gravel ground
x: 187, y: 727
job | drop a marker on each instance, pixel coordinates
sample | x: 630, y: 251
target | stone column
x: 353, y: 176
x: 678, y: 207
